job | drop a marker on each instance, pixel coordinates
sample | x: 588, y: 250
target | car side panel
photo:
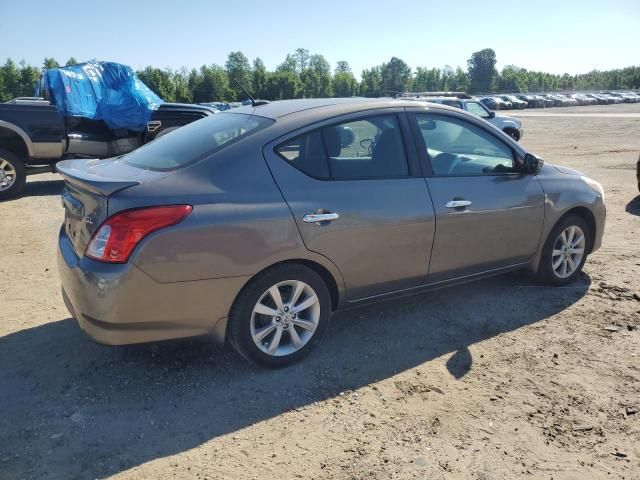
x: 240, y: 223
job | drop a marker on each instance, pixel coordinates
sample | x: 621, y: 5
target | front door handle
x: 457, y: 203
x: 317, y: 218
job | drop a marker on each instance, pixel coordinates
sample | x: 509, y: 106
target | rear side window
x: 195, y: 141
x: 362, y: 149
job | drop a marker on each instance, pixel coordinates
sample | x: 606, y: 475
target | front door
x: 358, y: 200
x: 489, y: 215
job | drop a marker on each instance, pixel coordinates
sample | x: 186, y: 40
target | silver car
x: 257, y: 223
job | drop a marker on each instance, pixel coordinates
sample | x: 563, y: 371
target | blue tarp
x: 102, y: 91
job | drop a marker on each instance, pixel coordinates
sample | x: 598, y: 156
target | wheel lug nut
x: 278, y: 319
x: 286, y: 309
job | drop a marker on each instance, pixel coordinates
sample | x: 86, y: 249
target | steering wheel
x: 450, y: 160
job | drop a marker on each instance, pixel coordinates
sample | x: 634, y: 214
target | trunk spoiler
x: 82, y: 174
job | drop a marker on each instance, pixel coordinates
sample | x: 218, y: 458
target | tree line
x: 303, y: 74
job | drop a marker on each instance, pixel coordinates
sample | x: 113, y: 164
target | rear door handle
x: 457, y: 203
x: 320, y: 217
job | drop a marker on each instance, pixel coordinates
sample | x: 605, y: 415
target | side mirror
x: 492, y: 114
x: 532, y: 164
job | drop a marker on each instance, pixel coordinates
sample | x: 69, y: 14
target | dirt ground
x: 501, y: 379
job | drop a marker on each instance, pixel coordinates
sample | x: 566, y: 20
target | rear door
x: 488, y: 214
x: 358, y: 198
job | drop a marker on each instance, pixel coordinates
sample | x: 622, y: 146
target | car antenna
x: 254, y: 102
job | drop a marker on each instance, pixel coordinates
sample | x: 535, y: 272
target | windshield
x: 195, y: 141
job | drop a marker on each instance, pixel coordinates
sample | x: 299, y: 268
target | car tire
x: 13, y: 175
x: 257, y: 323
x: 560, y: 253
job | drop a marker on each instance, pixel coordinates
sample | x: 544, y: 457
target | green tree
x: 210, y: 84
x: 343, y: 67
x: 395, y: 76
x: 370, y: 86
x: 482, y: 70
x: 71, y: 61
x: 50, y: 63
x: 316, y: 78
x: 238, y: 69
x: 29, y: 77
x: 344, y: 84
x: 160, y: 81
x: 259, y: 79
x: 11, y: 80
x: 302, y: 59
x: 283, y: 84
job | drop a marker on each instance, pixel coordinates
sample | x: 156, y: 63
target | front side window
x: 477, y: 109
x: 459, y: 148
x: 361, y: 149
x: 195, y: 141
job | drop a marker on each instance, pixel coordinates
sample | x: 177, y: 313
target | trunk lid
x: 88, y: 186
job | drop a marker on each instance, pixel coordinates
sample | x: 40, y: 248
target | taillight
x: 116, y: 238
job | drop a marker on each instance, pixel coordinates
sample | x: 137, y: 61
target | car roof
x: 281, y: 108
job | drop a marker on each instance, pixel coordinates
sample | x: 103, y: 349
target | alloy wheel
x: 285, y: 318
x: 568, y: 251
x: 7, y: 175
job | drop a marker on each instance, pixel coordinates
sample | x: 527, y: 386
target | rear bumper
x: 118, y: 304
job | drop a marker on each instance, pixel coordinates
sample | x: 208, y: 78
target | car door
x: 358, y: 198
x: 489, y: 214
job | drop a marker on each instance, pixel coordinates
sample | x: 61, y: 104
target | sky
x: 553, y: 36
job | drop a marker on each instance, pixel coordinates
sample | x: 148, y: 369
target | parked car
x: 255, y: 224
x: 557, y: 101
x: 568, y: 100
x: 503, y: 104
x: 533, y: 101
x: 35, y: 134
x: 490, y: 103
x: 510, y: 125
x: 611, y: 98
x: 601, y: 99
x: 515, y: 101
x: 547, y: 100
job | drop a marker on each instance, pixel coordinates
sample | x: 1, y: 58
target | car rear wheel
x: 12, y: 174
x: 565, y: 251
x: 280, y: 316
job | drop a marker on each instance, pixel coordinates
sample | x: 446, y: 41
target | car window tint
x: 307, y: 154
x: 367, y: 148
x: 195, y: 141
x: 477, y: 109
x: 458, y: 148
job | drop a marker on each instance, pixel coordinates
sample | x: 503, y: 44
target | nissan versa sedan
x: 255, y: 224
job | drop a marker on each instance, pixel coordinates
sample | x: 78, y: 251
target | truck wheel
x: 13, y: 174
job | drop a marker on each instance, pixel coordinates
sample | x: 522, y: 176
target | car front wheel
x: 280, y: 316
x: 565, y: 251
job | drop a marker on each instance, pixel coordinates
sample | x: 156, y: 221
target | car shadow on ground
x: 633, y: 207
x: 75, y: 409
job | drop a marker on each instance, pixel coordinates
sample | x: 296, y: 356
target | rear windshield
x: 195, y: 141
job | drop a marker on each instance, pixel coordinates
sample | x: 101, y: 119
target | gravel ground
x: 499, y: 379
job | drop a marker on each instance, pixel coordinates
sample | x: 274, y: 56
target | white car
x: 509, y: 125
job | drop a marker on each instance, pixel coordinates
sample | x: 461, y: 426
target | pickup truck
x: 34, y: 137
